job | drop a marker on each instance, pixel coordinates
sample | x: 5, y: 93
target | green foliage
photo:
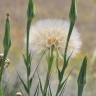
x: 6, y: 45
x: 27, y: 57
x: 72, y: 16
x: 46, y: 89
x: 82, y: 77
x: 7, y: 38
x: 30, y: 15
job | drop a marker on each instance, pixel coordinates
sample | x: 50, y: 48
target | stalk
x: 50, y: 62
x: 72, y: 16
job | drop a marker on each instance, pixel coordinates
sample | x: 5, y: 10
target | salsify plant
x: 27, y: 56
x: 52, y: 50
x: 46, y: 89
x: 3, y: 56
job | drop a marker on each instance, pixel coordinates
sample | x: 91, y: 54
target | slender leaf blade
x: 82, y: 77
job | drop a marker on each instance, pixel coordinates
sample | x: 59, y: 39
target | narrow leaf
x: 37, y: 90
x: 41, y: 88
x: 25, y: 87
x: 82, y: 77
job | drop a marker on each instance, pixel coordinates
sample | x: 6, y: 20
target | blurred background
x: 58, y: 9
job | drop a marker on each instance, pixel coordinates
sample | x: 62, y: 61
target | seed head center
x: 53, y: 41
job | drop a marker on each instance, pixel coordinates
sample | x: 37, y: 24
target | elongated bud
x: 7, y: 38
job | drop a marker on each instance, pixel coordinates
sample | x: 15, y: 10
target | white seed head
x: 51, y: 32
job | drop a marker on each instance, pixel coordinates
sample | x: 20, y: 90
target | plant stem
x: 50, y: 62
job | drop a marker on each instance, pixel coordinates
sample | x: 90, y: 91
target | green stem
x: 46, y: 83
x: 27, y: 55
x: 28, y: 85
x: 50, y: 62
